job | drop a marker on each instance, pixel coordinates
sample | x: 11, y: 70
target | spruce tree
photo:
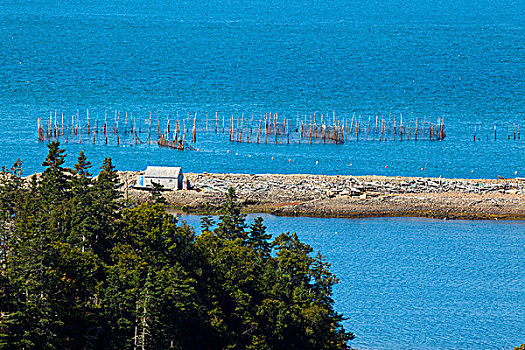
x: 11, y: 193
x: 107, y: 207
x: 83, y: 165
x: 78, y: 271
x: 156, y: 196
x: 207, y: 223
x: 108, y: 185
x: 82, y: 208
x: 55, y: 182
x: 258, y: 239
x: 232, y: 223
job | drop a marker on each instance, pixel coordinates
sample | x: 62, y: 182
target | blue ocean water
x: 405, y: 283
x: 409, y: 283
x: 460, y: 60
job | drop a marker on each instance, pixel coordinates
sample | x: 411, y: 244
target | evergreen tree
x: 81, y: 205
x: 207, y: 223
x: 78, y: 271
x: 232, y: 222
x: 55, y: 178
x: 151, y: 295
x: 35, y: 322
x: 156, y: 196
x: 108, y: 186
x: 107, y: 206
x: 83, y: 165
x: 258, y: 239
x: 11, y: 192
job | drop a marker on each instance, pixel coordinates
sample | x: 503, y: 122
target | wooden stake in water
x: 117, y: 118
x: 415, y: 135
x: 194, y: 128
x: 230, y: 128
x: 265, y: 132
x: 55, y: 129
x: 105, y: 120
x: 394, y: 127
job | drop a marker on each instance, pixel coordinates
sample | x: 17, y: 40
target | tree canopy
x: 80, y: 269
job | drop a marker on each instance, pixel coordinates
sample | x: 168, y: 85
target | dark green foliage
x: 232, y: 222
x: 156, y: 196
x: 55, y: 179
x: 80, y: 271
x: 107, y: 187
x: 207, y: 223
x: 258, y: 239
x: 82, y: 166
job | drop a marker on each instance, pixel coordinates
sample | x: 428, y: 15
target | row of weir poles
x: 395, y: 129
x: 56, y: 130
x: 338, y: 132
x: 270, y: 127
x: 177, y: 138
x: 279, y: 131
x: 330, y: 129
x: 512, y: 134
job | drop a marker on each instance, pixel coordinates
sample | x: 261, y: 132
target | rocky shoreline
x: 348, y: 196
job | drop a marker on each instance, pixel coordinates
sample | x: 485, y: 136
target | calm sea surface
x: 405, y: 283
x: 421, y: 283
x: 462, y: 60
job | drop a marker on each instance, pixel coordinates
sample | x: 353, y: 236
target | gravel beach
x: 347, y: 196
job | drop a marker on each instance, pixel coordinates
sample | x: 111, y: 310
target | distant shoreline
x: 347, y: 196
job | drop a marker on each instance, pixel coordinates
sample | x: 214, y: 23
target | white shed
x: 169, y: 177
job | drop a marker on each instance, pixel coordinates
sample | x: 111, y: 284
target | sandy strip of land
x: 348, y: 196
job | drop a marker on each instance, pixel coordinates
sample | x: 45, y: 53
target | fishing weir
x: 513, y: 133
x: 181, y: 132
x: 312, y: 129
x: 113, y: 130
